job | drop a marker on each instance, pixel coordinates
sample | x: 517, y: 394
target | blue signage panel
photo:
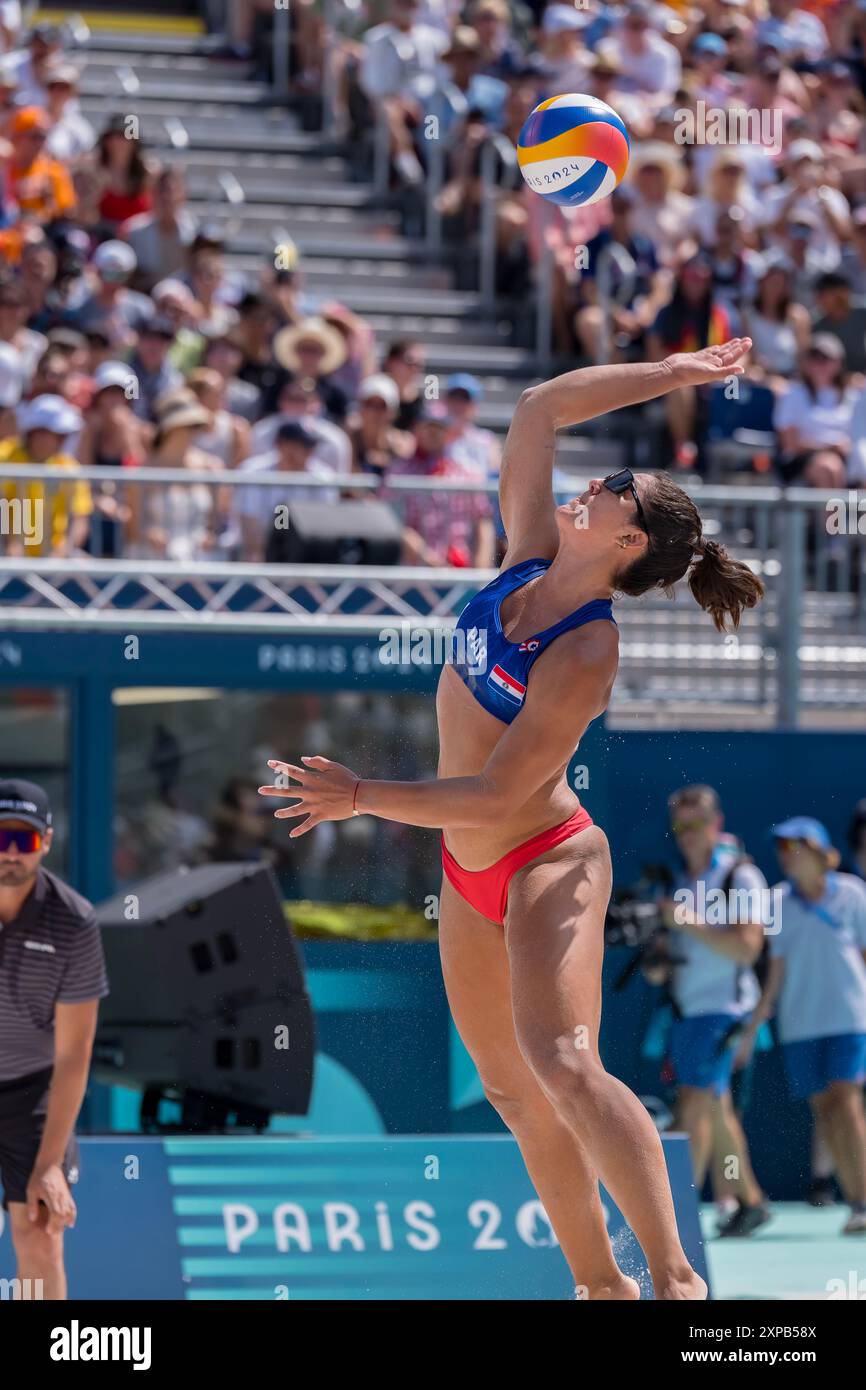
x: 427, y: 1218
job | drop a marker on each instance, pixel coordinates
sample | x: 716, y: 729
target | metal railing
x: 803, y: 647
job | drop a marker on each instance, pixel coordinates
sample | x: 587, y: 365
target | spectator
x: 621, y: 289
x: 300, y: 398
x: 37, y: 273
x: 10, y: 389
x: 228, y: 437
x: 226, y: 357
x: 376, y: 442
x: 651, y: 64
x: 173, y: 300
x: 313, y: 349
x: 70, y: 136
x: 846, y: 321
x: 475, y: 449
x: 463, y: 87
x: 177, y: 521
x: 254, y: 335
x: 210, y: 287
x: 126, y: 176
x: 711, y: 82
x: 778, y: 326
x: 111, y: 304
x: 853, y: 264
x: 694, y: 318
x: 797, y: 34
x: 404, y: 362
x: 499, y: 54
x: 113, y: 437
x: 442, y: 528
x: 257, y: 507
x: 608, y: 84
x: 813, y: 418
x: 13, y: 330
x: 735, y: 267
x: 398, y: 71
x: 40, y: 185
x: 359, y: 345
x: 728, y: 187
x: 661, y: 213
x: 803, y: 192
x: 47, y: 425
x: 150, y: 364
x: 51, y: 375
x: 564, y: 60
x: 28, y: 67
x: 161, y: 237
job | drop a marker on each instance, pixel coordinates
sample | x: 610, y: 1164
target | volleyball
x: 573, y: 150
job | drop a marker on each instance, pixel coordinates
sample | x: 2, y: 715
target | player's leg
x: 38, y: 1253
x: 694, y: 1116
x: 555, y: 940
x: 475, y: 969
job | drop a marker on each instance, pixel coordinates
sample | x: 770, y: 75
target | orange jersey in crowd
x: 43, y: 189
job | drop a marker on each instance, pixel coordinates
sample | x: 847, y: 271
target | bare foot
x: 686, y: 1285
x: 622, y: 1290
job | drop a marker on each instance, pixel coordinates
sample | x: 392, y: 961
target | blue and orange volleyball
x: 573, y: 150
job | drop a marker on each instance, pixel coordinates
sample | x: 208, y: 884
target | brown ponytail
x: 721, y: 585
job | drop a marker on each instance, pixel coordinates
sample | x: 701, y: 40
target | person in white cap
x: 111, y: 305
x: 650, y: 63
x: 376, y: 442
x: 56, y: 524
x: 113, y: 437
x: 805, y: 192
x: 71, y: 134
x: 564, y: 54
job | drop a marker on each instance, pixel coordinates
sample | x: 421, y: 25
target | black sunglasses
x: 623, y: 481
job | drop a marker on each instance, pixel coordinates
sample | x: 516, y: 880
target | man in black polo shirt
x: 52, y: 976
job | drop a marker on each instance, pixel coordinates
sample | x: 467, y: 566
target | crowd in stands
x: 128, y: 338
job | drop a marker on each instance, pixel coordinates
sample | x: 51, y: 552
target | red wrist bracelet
x: 355, y: 797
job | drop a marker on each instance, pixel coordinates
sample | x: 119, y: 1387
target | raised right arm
x: 526, y: 478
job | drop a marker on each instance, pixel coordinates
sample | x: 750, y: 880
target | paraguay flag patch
x: 501, y: 680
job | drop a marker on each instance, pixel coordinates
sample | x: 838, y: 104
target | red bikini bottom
x: 487, y: 889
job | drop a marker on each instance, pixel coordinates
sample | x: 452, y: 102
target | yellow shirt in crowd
x: 46, y: 519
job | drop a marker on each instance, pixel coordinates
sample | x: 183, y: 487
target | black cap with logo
x: 25, y: 801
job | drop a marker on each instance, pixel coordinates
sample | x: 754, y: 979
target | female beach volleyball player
x: 527, y: 875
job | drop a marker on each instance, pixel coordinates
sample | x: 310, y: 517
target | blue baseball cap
x: 804, y: 828
x: 710, y: 43
x: 464, y: 381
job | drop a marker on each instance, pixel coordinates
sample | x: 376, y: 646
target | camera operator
x: 713, y: 989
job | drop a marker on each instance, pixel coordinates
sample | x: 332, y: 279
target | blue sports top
x: 495, y: 670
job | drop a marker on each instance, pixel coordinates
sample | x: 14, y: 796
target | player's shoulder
x: 746, y: 874
x: 59, y: 898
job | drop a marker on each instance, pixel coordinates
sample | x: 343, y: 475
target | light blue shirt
x: 824, y: 989
x: 708, y: 982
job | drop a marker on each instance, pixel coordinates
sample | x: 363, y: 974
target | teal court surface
x: 798, y: 1255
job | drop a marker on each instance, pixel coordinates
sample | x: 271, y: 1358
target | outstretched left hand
x: 325, y: 792
x: 710, y: 364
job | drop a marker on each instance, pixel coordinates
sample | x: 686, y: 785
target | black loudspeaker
x: 348, y: 533
x: 208, y: 1001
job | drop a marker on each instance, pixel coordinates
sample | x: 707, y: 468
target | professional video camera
x: 633, y: 919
